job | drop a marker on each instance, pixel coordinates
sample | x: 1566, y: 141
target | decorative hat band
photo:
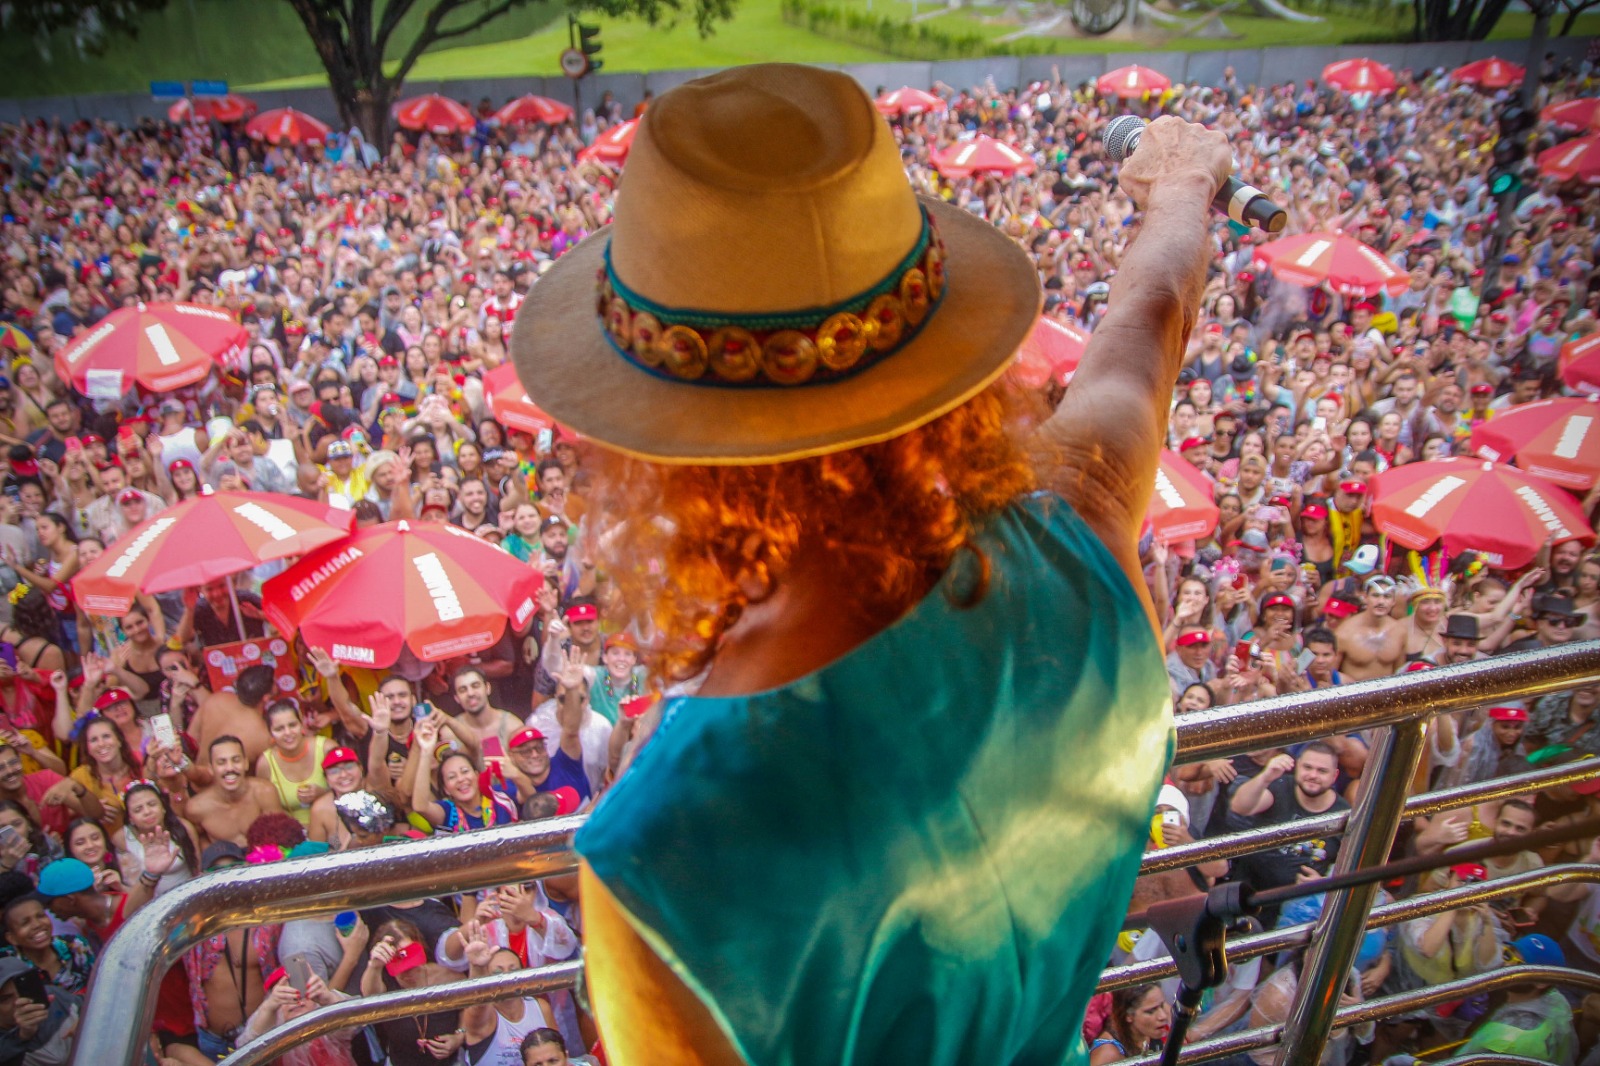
x: 755, y: 351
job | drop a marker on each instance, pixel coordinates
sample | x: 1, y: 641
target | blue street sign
x: 166, y: 90
x: 211, y: 88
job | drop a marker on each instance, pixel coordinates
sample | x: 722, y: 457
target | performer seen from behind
x: 900, y: 819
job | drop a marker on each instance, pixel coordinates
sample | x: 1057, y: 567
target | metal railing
x: 1374, y: 1010
x: 157, y: 936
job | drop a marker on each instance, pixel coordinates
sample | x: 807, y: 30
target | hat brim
x: 991, y: 300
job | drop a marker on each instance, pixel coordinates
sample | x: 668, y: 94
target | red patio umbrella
x: 1181, y: 507
x: 1050, y: 352
x: 1580, y: 364
x: 285, y: 125
x: 909, y: 101
x: 531, y: 108
x: 612, y: 146
x: 157, y: 346
x: 1472, y: 505
x: 434, y: 114
x: 1577, y: 159
x: 1342, y: 263
x: 1580, y: 114
x: 509, y: 403
x: 982, y: 154
x: 1359, y: 76
x: 1558, y: 440
x: 229, y: 108
x: 431, y: 587
x: 204, y: 538
x: 1132, y: 82
x: 1491, y: 73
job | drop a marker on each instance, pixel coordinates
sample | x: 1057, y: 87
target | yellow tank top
x: 288, y: 789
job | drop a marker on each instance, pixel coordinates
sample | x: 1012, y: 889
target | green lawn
x: 238, y: 41
x: 261, y: 44
x: 756, y: 33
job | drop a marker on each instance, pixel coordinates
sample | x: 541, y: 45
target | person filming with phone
x: 38, y: 1021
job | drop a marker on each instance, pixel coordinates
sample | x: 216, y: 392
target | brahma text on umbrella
x: 265, y: 520
x: 100, y: 333
x: 1543, y: 512
x: 1168, y: 491
x: 1436, y: 492
x: 445, y: 601
x: 140, y: 544
x: 307, y: 585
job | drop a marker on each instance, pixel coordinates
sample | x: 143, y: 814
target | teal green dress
x: 921, y: 853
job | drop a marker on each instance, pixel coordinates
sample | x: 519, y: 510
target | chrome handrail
x: 155, y: 937
x: 1289, y: 937
x: 1244, y: 842
x: 349, y: 1013
x: 1387, y: 1006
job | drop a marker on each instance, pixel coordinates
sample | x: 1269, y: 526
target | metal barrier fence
x: 157, y: 936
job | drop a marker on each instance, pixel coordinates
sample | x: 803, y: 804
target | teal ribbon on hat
x: 764, y: 325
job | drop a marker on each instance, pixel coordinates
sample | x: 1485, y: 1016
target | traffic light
x: 1510, y: 149
x: 589, y: 44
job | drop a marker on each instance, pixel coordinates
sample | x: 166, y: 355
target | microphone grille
x: 1120, y: 135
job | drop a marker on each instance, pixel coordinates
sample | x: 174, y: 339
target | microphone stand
x: 1195, y: 929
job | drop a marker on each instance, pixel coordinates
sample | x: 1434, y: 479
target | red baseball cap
x: 336, y: 756
x: 1508, y: 714
x: 1470, y: 871
x: 567, y: 800
x: 110, y: 697
x: 1419, y: 665
x: 1191, y: 443
x: 582, y: 612
x: 1199, y: 636
x: 1337, y: 608
x: 1483, y: 388
x: 1214, y: 327
x: 525, y: 736
x: 1353, y: 487
x: 1280, y: 600
x: 1313, y: 510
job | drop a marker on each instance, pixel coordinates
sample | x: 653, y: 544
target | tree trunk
x: 1542, y: 10
x: 369, y: 109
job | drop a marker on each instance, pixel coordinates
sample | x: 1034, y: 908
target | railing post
x: 1338, y: 933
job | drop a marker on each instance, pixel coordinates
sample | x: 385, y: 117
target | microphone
x: 1245, y: 204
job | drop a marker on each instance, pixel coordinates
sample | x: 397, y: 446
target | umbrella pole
x: 238, y: 619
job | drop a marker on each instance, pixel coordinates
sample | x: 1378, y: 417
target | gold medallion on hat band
x: 806, y: 347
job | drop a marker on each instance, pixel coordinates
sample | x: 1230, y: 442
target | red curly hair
x: 891, y: 515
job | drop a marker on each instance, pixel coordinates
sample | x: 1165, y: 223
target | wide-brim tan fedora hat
x: 770, y: 287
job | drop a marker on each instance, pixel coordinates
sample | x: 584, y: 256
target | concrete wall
x: 1253, y: 66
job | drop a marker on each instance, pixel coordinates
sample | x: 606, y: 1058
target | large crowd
x: 378, y: 286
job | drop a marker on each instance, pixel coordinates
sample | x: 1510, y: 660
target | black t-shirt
x: 212, y: 630
x: 1280, y: 866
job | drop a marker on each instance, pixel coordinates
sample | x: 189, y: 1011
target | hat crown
x: 781, y: 181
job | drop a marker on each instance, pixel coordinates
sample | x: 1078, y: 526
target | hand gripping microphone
x: 1245, y: 204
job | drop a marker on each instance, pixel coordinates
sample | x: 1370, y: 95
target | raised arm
x: 1102, y: 443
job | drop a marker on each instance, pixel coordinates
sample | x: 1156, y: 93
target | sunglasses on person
x: 1560, y: 621
x: 1224, y: 432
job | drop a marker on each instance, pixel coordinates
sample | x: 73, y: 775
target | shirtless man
x: 229, y: 971
x: 224, y: 809
x: 1424, y: 636
x: 1374, y: 643
x: 390, y: 716
x: 472, y: 695
x: 237, y: 714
